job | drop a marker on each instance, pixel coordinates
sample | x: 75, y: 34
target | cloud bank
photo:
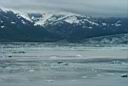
x: 85, y: 7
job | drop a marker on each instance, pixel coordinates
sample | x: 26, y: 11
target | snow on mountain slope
x: 14, y: 19
x: 24, y: 15
x: 72, y: 19
x: 40, y: 20
x: 45, y: 19
x: 19, y: 14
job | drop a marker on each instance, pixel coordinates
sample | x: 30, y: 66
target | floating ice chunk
x: 31, y: 70
x: 54, y: 57
x: 60, y: 62
x: 79, y: 55
x: 84, y: 77
x: 116, y: 62
x: 50, y: 81
x: 124, y: 75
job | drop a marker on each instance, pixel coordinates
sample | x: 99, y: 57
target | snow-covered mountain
x: 53, y: 19
x: 18, y: 26
x: 75, y: 24
x: 47, y: 19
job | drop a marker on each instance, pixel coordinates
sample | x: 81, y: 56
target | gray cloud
x: 87, y: 7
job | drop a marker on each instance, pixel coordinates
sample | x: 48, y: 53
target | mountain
x: 45, y: 27
x: 76, y: 27
x: 16, y: 27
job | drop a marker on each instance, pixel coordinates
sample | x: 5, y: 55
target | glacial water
x: 63, y: 64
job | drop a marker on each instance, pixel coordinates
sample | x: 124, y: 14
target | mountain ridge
x: 45, y: 27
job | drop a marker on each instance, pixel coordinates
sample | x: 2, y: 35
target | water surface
x: 57, y: 64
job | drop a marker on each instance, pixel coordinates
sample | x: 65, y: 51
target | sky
x: 84, y: 7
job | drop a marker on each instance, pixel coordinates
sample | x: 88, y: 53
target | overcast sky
x: 86, y: 7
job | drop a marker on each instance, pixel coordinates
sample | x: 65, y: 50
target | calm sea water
x: 54, y: 64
